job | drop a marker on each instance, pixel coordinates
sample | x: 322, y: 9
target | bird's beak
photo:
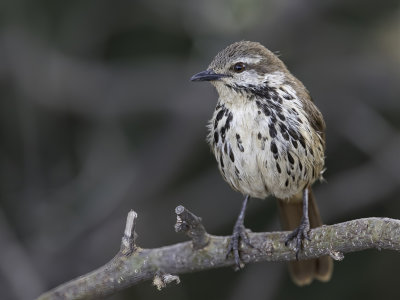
x: 207, y: 75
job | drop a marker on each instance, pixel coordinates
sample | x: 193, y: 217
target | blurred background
x: 98, y: 116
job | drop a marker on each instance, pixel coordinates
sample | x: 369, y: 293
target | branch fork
x: 191, y: 225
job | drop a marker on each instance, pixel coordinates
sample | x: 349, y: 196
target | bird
x: 268, y: 138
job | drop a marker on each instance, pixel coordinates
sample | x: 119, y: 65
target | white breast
x: 256, y: 149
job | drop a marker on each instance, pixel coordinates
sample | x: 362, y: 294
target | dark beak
x: 207, y: 75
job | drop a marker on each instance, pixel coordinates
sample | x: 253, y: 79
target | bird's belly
x: 258, y: 173
x: 258, y: 162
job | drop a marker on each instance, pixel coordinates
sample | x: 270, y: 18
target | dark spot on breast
x: 293, y: 133
x: 276, y: 107
x: 302, y: 142
x: 221, y: 161
x: 299, y: 120
x: 288, y: 97
x: 237, y: 172
x: 273, y: 95
x: 216, y: 137
x: 259, y: 112
x: 220, y: 114
x: 287, y: 182
x: 265, y: 91
x: 300, y: 166
x: 295, y: 111
x: 290, y: 157
x: 272, y: 130
x: 274, y: 149
x: 219, y: 117
x: 239, y: 143
x: 281, y: 116
x: 283, y: 130
x: 264, y: 107
x: 226, y: 148
x: 222, y: 132
x: 313, y: 172
x: 230, y: 117
x: 278, y: 167
x: 232, y: 157
x: 294, y: 143
x: 259, y: 136
x: 311, y: 151
x: 228, y: 121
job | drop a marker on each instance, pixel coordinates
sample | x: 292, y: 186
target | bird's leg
x: 301, y: 232
x: 239, y: 234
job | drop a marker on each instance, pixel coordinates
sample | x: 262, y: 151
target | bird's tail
x: 303, y: 272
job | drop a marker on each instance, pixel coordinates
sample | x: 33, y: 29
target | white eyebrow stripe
x: 249, y: 60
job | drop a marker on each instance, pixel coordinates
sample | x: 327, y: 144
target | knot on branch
x: 336, y: 255
x: 191, y: 225
x: 161, y: 280
x: 128, y: 244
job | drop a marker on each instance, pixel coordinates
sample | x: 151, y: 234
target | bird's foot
x: 239, y: 235
x: 298, y: 235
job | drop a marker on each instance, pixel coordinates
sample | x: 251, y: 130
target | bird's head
x: 243, y: 65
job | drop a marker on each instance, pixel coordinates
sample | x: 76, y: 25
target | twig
x: 128, y: 268
x: 128, y: 240
x: 190, y: 224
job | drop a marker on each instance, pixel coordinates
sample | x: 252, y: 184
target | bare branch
x: 130, y: 267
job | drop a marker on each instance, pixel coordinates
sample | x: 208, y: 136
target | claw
x: 239, y: 235
x: 299, y: 234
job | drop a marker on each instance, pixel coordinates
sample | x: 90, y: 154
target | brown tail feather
x: 303, y: 272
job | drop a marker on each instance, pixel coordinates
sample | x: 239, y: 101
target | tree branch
x: 132, y: 264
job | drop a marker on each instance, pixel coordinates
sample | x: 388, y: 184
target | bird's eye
x: 239, y: 67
